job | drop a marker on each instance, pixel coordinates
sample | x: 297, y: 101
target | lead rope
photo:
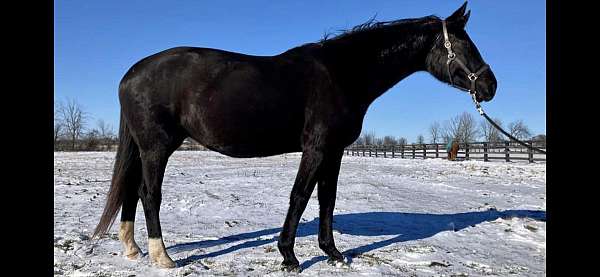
x: 481, y: 112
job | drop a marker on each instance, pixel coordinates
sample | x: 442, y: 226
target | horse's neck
x: 371, y: 69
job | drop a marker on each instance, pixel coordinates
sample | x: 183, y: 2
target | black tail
x: 127, y: 169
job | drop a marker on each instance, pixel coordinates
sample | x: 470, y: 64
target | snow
x: 222, y: 216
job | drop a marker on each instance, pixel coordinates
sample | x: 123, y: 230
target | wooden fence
x: 472, y: 151
x: 81, y: 145
x: 485, y: 151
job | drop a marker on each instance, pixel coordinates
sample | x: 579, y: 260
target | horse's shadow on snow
x: 404, y: 226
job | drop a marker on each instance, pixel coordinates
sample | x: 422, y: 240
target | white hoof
x: 133, y: 253
x: 164, y: 262
x: 158, y: 254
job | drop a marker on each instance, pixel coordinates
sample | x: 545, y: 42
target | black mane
x: 373, y: 25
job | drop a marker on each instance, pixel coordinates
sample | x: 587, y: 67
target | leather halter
x: 472, y: 76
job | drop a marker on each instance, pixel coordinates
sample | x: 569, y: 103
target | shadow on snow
x: 405, y: 227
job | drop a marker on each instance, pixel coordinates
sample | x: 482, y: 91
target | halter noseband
x: 452, y: 57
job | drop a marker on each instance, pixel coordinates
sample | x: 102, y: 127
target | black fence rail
x: 485, y: 151
x: 82, y: 145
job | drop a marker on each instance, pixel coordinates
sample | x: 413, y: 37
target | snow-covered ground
x: 402, y: 217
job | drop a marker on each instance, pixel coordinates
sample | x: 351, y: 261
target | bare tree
x: 105, y: 129
x: 58, y: 127
x: 489, y: 132
x: 462, y: 128
x: 420, y: 139
x: 106, y: 133
x: 452, y: 128
x: 389, y: 140
x: 402, y: 141
x: 445, y: 139
x: 369, y: 138
x: 519, y: 130
x: 91, y: 140
x: 359, y: 141
x: 58, y: 130
x: 435, y: 132
x: 469, y: 131
x: 73, y: 118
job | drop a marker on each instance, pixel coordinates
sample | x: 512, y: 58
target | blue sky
x: 95, y: 42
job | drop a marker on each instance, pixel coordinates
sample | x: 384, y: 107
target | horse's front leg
x: 303, y: 188
x: 327, y: 192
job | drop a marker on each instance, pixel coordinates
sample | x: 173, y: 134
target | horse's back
x: 239, y: 105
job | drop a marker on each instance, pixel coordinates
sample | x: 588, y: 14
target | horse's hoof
x: 337, y: 262
x: 133, y: 256
x: 294, y: 268
x: 164, y: 262
x: 134, y: 253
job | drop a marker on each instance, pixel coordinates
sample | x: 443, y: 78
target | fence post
x: 413, y: 150
x: 369, y: 152
x: 530, y: 151
x: 424, y: 151
x: 506, y: 151
x: 485, y: 152
x: 466, y: 151
x: 376, y: 152
x: 384, y: 152
x: 393, y: 147
x: 437, y: 150
x: 402, y: 151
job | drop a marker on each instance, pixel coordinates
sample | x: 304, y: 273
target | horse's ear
x: 459, y: 18
x: 466, y: 17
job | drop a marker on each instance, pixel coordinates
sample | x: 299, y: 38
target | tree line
x: 72, y: 132
x: 463, y: 128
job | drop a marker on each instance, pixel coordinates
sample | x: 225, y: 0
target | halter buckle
x: 447, y: 44
x: 451, y: 56
x: 472, y: 76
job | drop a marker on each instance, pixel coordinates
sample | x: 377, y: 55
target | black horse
x: 311, y: 98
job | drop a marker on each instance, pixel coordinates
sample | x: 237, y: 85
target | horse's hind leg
x: 154, y: 163
x: 126, y: 231
x: 157, y: 140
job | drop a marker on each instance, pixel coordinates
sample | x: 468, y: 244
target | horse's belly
x: 249, y: 132
x: 249, y: 112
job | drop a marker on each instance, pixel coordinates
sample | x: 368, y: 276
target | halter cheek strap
x: 472, y: 76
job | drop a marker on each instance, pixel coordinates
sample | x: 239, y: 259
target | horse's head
x: 454, y: 59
